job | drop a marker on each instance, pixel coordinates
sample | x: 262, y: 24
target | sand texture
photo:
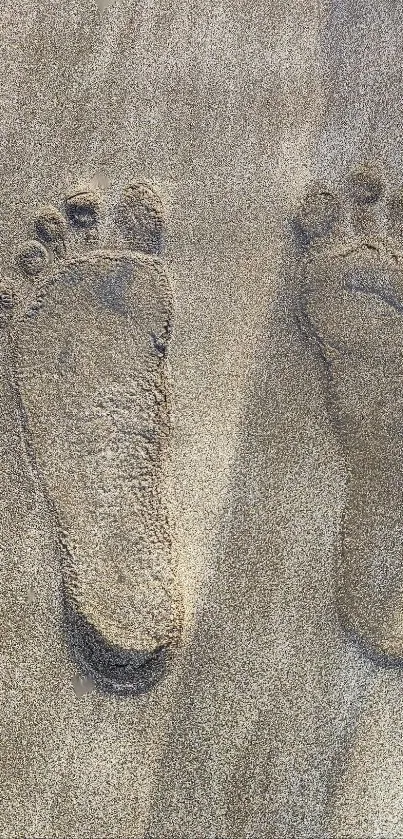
x: 201, y: 378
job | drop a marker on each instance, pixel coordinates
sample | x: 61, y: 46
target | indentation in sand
x: 350, y: 309
x: 88, y: 347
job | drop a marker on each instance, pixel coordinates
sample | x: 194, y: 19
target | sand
x: 270, y: 722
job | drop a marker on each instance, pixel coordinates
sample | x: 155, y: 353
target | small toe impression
x: 83, y: 208
x: 317, y: 217
x: 32, y: 258
x: 141, y: 216
x: 365, y: 187
x: 114, y: 671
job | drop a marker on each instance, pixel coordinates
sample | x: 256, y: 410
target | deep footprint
x: 351, y: 310
x: 89, y: 355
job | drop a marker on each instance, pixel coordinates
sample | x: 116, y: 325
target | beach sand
x: 269, y: 722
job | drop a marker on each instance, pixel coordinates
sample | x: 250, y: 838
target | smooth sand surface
x: 232, y: 110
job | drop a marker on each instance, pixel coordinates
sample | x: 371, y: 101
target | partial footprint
x: 89, y: 336
x: 351, y: 310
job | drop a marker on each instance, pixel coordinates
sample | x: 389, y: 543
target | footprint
x: 88, y: 342
x: 350, y: 309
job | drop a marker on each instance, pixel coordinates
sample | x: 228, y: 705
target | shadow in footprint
x: 114, y: 670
